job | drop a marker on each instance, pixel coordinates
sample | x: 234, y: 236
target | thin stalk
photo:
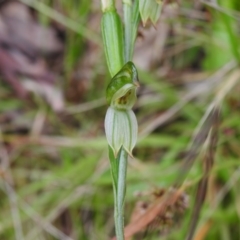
x: 131, y: 21
x: 128, y: 31
x: 119, y: 171
x: 120, y: 195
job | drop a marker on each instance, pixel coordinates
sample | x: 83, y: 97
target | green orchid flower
x: 120, y: 122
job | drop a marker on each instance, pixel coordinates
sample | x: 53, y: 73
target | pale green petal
x: 121, y: 129
x: 131, y: 137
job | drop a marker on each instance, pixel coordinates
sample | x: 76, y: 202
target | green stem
x: 119, y: 171
x: 120, y: 194
x: 128, y: 31
x: 131, y: 21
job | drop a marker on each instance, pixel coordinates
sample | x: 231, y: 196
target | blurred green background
x: 55, y: 181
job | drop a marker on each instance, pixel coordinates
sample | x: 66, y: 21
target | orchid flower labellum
x: 120, y: 122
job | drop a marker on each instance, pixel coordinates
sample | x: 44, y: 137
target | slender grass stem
x: 233, y: 40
